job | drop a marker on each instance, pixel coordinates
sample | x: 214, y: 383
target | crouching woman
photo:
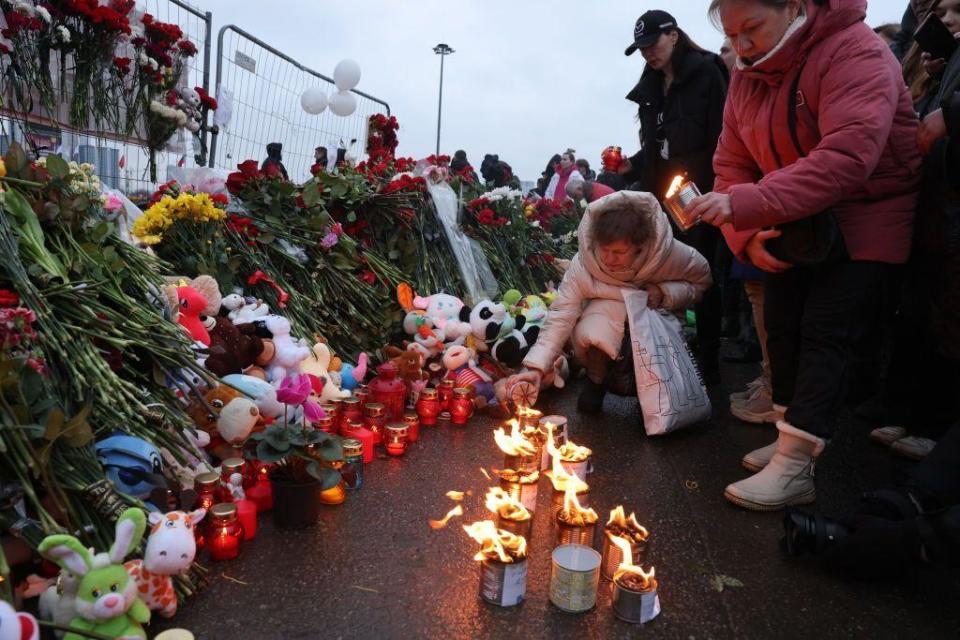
x: 625, y: 243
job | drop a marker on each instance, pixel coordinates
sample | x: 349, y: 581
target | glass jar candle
x: 326, y: 423
x: 363, y: 395
x: 376, y: 420
x: 352, y: 469
x: 349, y: 410
x: 461, y: 406
x: 445, y: 389
x: 224, y: 532
x: 428, y: 406
x: 331, y: 410
x: 262, y: 491
x: 228, y: 467
x: 396, y: 438
x: 356, y: 429
x: 206, y: 484
x: 413, y: 426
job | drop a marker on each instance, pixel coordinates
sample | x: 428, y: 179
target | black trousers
x: 813, y: 314
x: 708, y: 240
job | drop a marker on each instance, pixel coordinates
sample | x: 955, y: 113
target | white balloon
x: 313, y: 100
x: 346, y: 75
x: 343, y: 103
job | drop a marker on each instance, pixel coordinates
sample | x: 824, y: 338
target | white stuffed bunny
x: 317, y: 364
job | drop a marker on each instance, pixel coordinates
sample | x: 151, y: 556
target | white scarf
x: 795, y: 26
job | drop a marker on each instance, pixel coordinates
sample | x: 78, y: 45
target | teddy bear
x: 227, y: 416
x: 189, y: 102
x: 232, y: 348
x: 250, y: 310
x: 288, y: 353
x: 410, y: 366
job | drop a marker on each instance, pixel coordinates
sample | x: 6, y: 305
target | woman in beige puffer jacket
x: 625, y: 243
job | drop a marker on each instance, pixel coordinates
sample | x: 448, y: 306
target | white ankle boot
x: 788, y: 477
x: 757, y: 459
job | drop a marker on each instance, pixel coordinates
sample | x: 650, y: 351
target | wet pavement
x: 373, y: 568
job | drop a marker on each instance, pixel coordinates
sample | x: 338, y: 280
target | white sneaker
x: 758, y: 408
x: 743, y: 396
x: 913, y: 447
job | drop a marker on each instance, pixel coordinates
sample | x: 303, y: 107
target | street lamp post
x: 442, y: 50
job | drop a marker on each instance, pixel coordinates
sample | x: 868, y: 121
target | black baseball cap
x: 649, y: 27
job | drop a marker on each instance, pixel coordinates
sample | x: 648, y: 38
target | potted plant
x: 303, y: 459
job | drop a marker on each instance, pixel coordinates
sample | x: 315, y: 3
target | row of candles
x: 241, y: 490
x: 533, y: 444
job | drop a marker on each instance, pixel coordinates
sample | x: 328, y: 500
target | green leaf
x: 328, y: 477
x: 57, y: 167
x: 352, y: 216
x: 266, y: 453
x: 331, y: 450
x: 278, y: 438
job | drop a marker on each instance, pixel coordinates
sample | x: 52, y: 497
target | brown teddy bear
x: 227, y: 416
x: 408, y: 362
x: 232, y: 348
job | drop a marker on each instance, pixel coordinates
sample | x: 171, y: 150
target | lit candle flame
x: 572, y: 512
x: 568, y: 452
x: 628, y: 568
x: 499, y: 502
x: 561, y: 479
x: 674, y: 187
x: 514, y: 444
x: 485, y: 474
x: 496, y: 544
x: 440, y: 524
x: 456, y: 496
x: 624, y: 524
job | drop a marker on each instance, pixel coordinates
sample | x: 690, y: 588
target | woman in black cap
x: 680, y: 97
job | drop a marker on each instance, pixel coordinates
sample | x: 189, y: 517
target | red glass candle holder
x: 389, y: 390
x: 461, y: 406
x: 326, y: 423
x: 376, y: 420
x: 363, y: 395
x: 413, y: 426
x: 355, y: 429
x: 428, y: 406
x: 446, y: 394
x: 396, y: 438
x: 247, y: 514
x: 349, y: 410
x: 224, y: 532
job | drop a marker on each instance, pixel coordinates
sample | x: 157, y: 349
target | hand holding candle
x: 713, y: 208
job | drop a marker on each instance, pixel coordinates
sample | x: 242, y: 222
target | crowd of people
x: 828, y: 155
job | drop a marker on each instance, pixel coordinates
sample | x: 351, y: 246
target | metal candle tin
x: 574, y: 577
x: 528, y: 418
x: 678, y: 202
x: 557, y: 501
x: 516, y: 527
x: 522, y: 462
x: 522, y: 487
x: 578, y: 469
x: 575, y: 533
x: 612, y: 556
x: 637, y: 607
x: 503, y: 583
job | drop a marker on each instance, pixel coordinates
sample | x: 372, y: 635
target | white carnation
x: 63, y: 34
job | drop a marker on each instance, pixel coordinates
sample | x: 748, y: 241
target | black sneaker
x: 591, y: 397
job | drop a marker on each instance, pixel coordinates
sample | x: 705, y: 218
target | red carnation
x: 8, y: 298
x: 122, y: 64
x: 187, y: 48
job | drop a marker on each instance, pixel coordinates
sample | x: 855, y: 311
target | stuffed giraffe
x: 171, y: 549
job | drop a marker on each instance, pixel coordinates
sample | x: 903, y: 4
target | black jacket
x: 692, y: 119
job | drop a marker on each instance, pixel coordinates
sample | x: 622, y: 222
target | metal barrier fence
x: 263, y: 87
x: 122, y: 163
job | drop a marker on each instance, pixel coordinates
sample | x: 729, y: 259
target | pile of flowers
x: 382, y: 136
x: 175, y: 205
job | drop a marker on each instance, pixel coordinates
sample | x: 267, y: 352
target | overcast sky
x: 528, y: 79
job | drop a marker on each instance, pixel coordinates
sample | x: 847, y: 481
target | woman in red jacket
x: 851, y: 149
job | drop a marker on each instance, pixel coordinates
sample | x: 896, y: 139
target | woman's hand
x: 760, y: 257
x: 625, y: 167
x: 932, y: 128
x: 654, y: 296
x: 933, y: 67
x: 533, y: 376
x: 713, y: 208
